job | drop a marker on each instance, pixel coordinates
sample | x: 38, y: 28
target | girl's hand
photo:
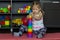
x: 38, y: 16
x: 29, y: 15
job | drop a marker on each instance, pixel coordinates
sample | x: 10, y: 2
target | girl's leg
x: 41, y: 33
x: 25, y: 29
x: 21, y: 30
x: 35, y: 32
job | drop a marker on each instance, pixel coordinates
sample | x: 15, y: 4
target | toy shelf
x: 15, y: 5
x: 22, y: 0
x: 15, y: 14
x: 5, y: 28
x: 15, y: 27
x: 5, y: 17
x: 5, y: 14
x: 4, y: 0
x: 21, y: 14
x: 4, y: 7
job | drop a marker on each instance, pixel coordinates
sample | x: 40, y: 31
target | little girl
x: 37, y: 20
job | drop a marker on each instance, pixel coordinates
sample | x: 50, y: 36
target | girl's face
x: 35, y: 9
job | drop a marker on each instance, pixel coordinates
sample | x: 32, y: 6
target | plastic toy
x: 30, y: 27
x: 28, y: 11
x: 17, y: 21
x: 5, y: 10
x: 24, y: 20
x: 25, y: 9
x: 9, y: 7
x: 7, y: 23
x: 24, y: 5
x: 2, y: 17
x: 2, y: 22
x: 19, y: 10
x: 29, y: 6
x: 7, y: 18
x: 1, y: 10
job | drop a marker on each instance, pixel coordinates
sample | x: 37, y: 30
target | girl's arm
x: 41, y: 15
x: 29, y: 15
x: 38, y: 16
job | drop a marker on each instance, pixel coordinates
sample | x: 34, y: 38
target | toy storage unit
x: 20, y: 9
x: 5, y: 15
x: 13, y: 13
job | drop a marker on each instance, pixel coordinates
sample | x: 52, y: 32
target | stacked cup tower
x: 30, y: 27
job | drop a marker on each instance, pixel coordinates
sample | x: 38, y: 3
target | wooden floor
x: 48, y: 36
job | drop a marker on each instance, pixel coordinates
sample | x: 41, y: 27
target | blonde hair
x: 39, y: 6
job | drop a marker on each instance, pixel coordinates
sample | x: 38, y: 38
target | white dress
x: 37, y: 25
